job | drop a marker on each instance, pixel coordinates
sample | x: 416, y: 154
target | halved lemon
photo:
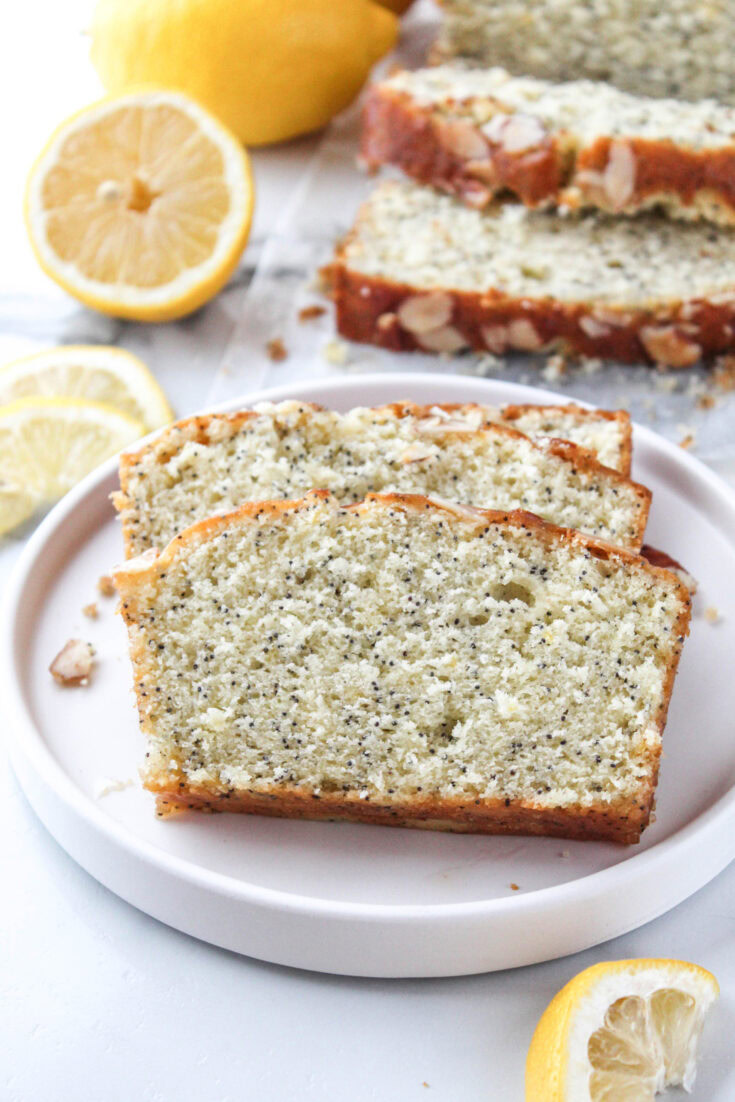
x: 621, y: 1031
x: 140, y: 205
x: 96, y: 373
x: 48, y: 444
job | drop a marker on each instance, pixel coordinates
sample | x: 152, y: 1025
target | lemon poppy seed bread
x: 213, y: 464
x: 678, y: 48
x: 421, y: 270
x: 404, y: 662
x: 479, y: 132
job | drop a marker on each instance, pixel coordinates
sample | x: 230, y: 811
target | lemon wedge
x: 48, y: 444
x: 140, y: 205
x: 96, y: 373
x: 621, y: 1031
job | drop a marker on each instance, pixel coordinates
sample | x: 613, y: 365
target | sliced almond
x: 73, y: 664
x: 417, y: 453
x: 387, y: 321
x: 484, y: 170
x: 445, y: 339
x: 495, y: 338
x: 463, y: 139
x: 522, y: 132
x: 665, y: 345
x: 619, y: 174
x: 422, y: 313
x: 515, y: 133
x: 594, y: 328
x: 523, y: 335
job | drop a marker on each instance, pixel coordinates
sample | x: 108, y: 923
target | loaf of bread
x: 679, y: 48
x: 422, y: 270
x: 579, y: 144
x: 404, y: 662
x: 212, y: 464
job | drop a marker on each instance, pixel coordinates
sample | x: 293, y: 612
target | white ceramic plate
x: 354, y: 899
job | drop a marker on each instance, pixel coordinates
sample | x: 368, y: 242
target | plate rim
x: 31, y: 743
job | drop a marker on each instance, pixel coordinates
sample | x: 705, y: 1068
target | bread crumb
x: 306, y: 313
x: 103, y: 786
x: 705, y: 401
x: 689, y: 438
x: 424, y: 1084
x: 335, y: 352
x: 556, y: 366
x: 590, y: 365
x: 565, y: 853
x: 106, y: 586
x: 276, y: 350
x: 712, y: 614
x: 91, y: 611
x: 73, y: 664
x: 514, y: 887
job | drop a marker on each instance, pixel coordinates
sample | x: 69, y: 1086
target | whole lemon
x: 268, y: 69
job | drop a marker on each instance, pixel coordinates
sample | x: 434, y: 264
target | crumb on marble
x: 335, y: 352
x: 276, y: 350
x: 307, y: 313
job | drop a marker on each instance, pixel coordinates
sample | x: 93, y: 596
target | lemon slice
x: 140, y: 205
x: 620, y: 1032
x: 48, y: 444
x: 94, y: 372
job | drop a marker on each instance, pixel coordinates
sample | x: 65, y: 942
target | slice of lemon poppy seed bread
x: 421, y: 270
x: 212, y: 464
x: 479, y: 132
x: 404, y: 662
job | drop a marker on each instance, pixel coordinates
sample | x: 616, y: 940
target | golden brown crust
x: 615, y: 822
x: 619, y: 823
x: 449, y: 155
x: 675, y: 334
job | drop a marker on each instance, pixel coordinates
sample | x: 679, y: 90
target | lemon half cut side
x: 140, y: 205
x: 621, y: 1031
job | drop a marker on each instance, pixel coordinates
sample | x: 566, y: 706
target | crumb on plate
x: 73, y: 664
x: 106, y: 586
x: 91, y: 611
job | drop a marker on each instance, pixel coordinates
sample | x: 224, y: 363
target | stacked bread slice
x: 324, y: 624
x: 547, y: 212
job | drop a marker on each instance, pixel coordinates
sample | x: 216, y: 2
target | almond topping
x: 593, y: 328
x: 446, y: 339
x: 665, y: 345
x: 387, y: 321
x: 619, y: 175
x: 523, y: 336
x: 464, y: 140
x: 422, y: 313
x: 73, y: 664
x: 495, y: 338
x: 417, y: 453
x: 515, y: 133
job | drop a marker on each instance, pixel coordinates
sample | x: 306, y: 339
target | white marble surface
x: 99, y: 1002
